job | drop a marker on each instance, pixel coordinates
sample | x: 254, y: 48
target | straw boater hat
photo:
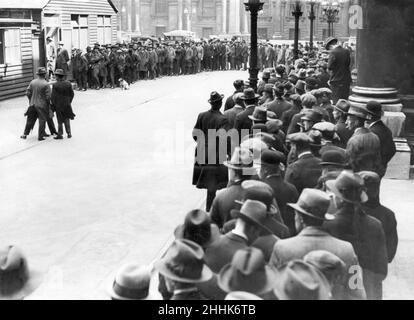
x: 247, y: 272
x: 132, y: 282
x: 184, y: 263
x: 17, y: 281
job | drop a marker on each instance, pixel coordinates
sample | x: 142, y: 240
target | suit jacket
x: 243, y: 121
x: 366, y: 235
x: 284, y: 193
x: 304, y: 172
x: 364, y: 152
x: 266, y: 245
x: 231, y: 115
x: 229, y: 102
x: 287, y: 117
x: 39, y: 94
x: 339, y: 64
x: 314, y: 238
x: 389, y: 224
x: 384, y: 134
x: 221, y: 252
x: 278, y: 106
x: 343, y: 132
x: 61, y: 100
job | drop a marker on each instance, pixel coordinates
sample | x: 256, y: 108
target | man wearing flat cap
x: 364, y: 147
x: 306, y: 170
x: 239, y: 87
x: 310, y: 214
x: 339, y: 65
x: 384, y: 134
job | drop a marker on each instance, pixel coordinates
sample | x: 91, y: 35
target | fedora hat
x: 329, y: 41
x: 334, y: 157
x: 259, y: 114
x: 268, y: 88
x: 298, y: 280
x: 313, y: 116
x: 273, y: 125
x: 313, y: 203
x: 17, y: 281
x: 349, y: 187
x: 254, y: 212
x: 241, y: 295
x: 242, y: 159
x: 60, y: 72
x: 329, y: 264
x: 197, y: 226
x: 374, y: 108
x: 359, y: 112
x: 132, y: 282
x: 215, y: 97
x: 41, y: 71
x: 249, y: 94
x: 184, y: 262
x: 342, y: 106
x: 247, y: 272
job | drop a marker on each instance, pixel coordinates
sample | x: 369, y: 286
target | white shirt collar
x: 375, y: 122
x: 240, y: 234
x: 304, y: 154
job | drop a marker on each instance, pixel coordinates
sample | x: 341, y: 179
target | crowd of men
x: 298, y: 215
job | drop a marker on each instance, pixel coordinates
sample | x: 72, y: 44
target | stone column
x: 234, y: 14
x: 385, y: 54
x: 129, y: 15
x: 180, y: 14
x: 224, y: 21
x: 137, y: 5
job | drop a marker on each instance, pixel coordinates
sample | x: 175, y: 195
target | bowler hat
x: 334, y: 157
x: 342, y: 106
x: 349, y: 187
x: 197, y: 226
x: 249, y: 94
x: 259, y: 115
x: 313, y: 203
x: 329, y: 264
x: 242, y: 159
x: 184, y: 262
x: 329, y: 41
x: 298, y: 280
x: 41, y: 71
x: 60, y: 72
x: 215, y: 97
x: 132, y: 282
x: 254, y: 212
x: 374, y: 108
x: 17, y: 281
x: 247, y: 272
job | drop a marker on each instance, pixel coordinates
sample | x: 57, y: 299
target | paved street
x: 80, y: 208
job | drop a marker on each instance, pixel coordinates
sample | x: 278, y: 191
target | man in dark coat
x: 306, y: 170
x: 61, y: 103
x: 62, y: 59
x: 384, y: 134
x: 288, y: 115
x: 310, y: 212
x: 270, y: 173
x: 364, y: 232
x: 243, y: 123
x: 239, y: 86
x: 237, y: 108
x: 340, y: 115
x: 339, y: 65
x: 279, y: 105
x: 208, y: 175
x: 374, y: 208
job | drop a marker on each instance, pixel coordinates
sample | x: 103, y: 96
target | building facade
x: 222, y: 17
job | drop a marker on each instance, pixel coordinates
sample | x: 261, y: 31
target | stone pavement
x: 80, y: 208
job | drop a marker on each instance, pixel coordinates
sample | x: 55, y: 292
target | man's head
x: 341, y: 110
x: 250, y: 97
x: 331, y: 43
x: 270, y: 163
x: 308, y: 101
x: 375, y: 111
x: 238, y: 85
x: 301, y: 141
x: 356, y: 118
x: 216, y: 100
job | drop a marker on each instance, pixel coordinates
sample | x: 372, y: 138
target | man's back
x: 39, y: 93
x: 304, y: 172
x: 384, y: 134
x: 339, y: 64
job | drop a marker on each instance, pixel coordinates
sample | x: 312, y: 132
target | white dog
x: 123, y: 84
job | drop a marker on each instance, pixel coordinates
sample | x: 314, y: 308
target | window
x: 104, y: 30
x: 161, y: 7
x: 10, y: 51
x: 80, y: 37
x: 208, y: 8
x: 15, y: 14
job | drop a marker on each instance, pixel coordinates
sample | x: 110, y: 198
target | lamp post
x: 297, y: 14
x: 312, y: 18
x: 331, y: 10
x: 254, y: 6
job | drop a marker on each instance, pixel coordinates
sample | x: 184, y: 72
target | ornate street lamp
x: 297, y: 14
x: 330, y: 10
x: 254, y: 6
x: 312, y: 18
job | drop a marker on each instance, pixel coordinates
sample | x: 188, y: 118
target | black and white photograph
x: 213, y: 150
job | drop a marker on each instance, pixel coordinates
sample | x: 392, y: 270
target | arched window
x: 161, y: 7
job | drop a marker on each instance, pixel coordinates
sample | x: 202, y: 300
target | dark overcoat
x: 304, y: 172
x: 384, y: 134
x: 61, y: 101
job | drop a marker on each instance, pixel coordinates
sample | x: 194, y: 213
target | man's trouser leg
x: 42, y: 128
x: 30, y: 123
x: 67, y: 127
x: 51, y: 125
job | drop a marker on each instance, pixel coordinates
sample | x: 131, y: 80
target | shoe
x: 46, y: 135
x: 58, y: 138
x: 24, y: 137
x: 41, y: 139
x: 69, y: 136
